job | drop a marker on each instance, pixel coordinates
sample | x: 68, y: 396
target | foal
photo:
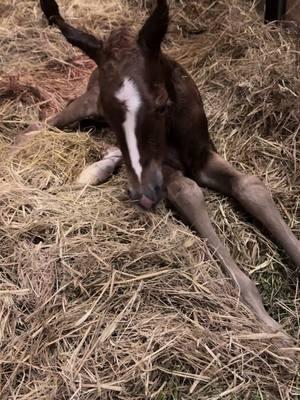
x: 155, y: 109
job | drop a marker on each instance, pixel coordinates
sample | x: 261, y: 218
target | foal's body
x: 181, y: 148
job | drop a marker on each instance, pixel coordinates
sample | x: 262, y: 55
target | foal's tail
x: 88, y: 43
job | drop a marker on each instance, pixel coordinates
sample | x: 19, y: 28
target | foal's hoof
x: 34, y: 127
x: 93, y: 175
x: 32, y: 130
x: 100, y: 171
x: 286, y: 346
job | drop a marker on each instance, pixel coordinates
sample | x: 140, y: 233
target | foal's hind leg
x: 187, y: 197
x: 84, y: 107
x: 252, y: 194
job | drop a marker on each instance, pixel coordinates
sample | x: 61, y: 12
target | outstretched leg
x: 86, y: 106
x: 83, y: 107
x: 187, y: 197
x: 252, y: 194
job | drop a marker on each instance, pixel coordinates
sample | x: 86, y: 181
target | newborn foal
x: 155, y: 109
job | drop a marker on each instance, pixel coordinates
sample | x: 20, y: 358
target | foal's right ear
x: 152, y: 33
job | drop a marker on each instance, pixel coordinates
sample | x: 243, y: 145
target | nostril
x: 133, y: 194
x: 158, y: 192
x: 157, y: 189
x: 129, y: 193
x: 154, y: 193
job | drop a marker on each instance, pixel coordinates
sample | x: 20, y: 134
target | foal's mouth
x: 145, y: 201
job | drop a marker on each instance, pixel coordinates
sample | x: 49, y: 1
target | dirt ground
x: 100, y: 300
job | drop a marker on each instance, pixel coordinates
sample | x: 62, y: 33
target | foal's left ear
x: 152, y: 33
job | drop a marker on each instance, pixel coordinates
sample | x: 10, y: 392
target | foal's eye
x: 161, y: 109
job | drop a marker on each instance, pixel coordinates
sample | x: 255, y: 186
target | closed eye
x: 161, y: 109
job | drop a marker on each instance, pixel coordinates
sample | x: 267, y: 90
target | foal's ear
x: 152, y: 33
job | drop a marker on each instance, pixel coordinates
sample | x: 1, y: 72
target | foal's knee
x: 250, y: 188
x: 184, y: 189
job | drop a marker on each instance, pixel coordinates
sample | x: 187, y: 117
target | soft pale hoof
x: 94, y: 174
x: 100, y: 171
x: 32, y: 130
x: 112, y: 152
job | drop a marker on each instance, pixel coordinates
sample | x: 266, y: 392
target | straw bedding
x: 100, y: 300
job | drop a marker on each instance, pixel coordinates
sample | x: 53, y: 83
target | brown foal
x: 156, y: 112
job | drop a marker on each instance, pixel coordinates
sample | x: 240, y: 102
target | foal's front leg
x: 187, y: 197
x: 100, y: 171
x: 252, y: 194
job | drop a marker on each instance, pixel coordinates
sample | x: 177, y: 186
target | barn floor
x: 100, y: 300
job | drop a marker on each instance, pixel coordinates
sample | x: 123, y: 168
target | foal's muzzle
x: 150, y: 193
x: 151, y: 196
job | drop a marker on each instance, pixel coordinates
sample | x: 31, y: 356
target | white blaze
x: 129, y: 95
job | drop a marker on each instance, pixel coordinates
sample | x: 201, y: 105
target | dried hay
x: 100, y: 300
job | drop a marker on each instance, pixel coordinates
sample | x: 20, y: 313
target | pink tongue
x: 146, y: 202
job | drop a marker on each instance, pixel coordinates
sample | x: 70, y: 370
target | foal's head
x: 133, y: 94
x: 135, y: 99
